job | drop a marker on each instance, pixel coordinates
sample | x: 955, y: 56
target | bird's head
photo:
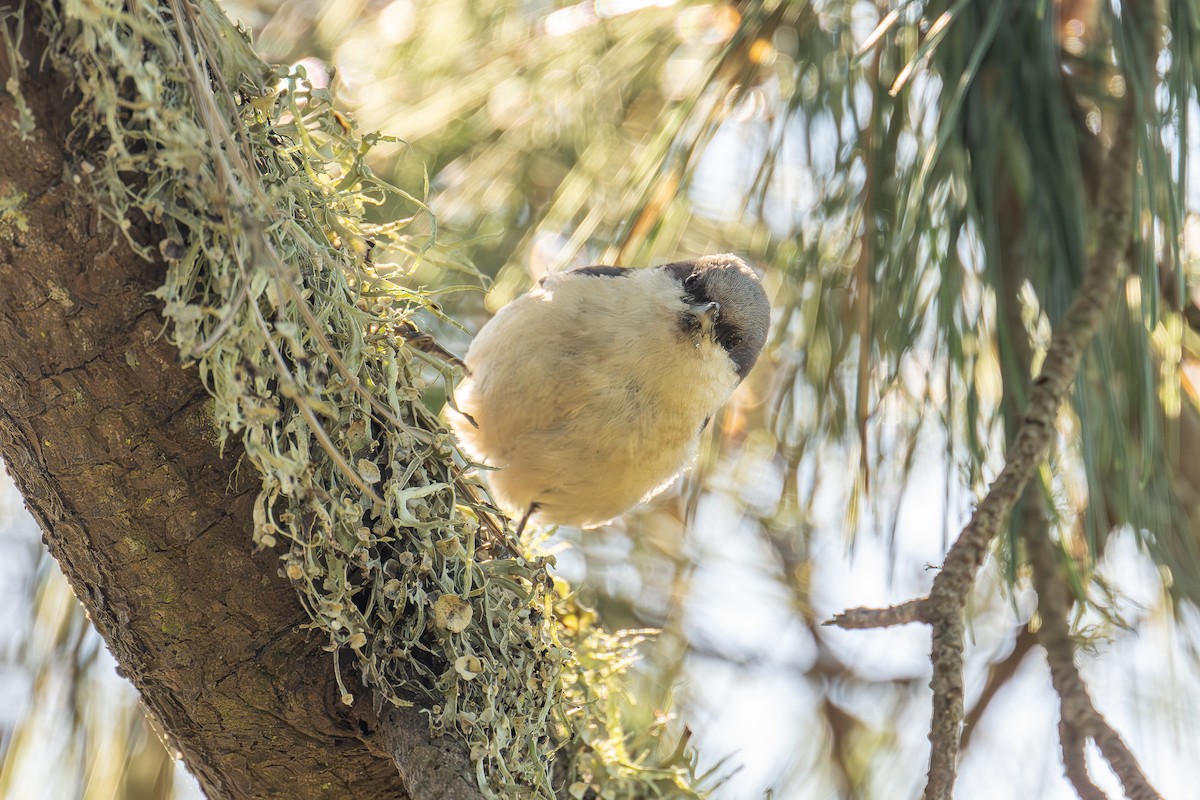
x: 724, y: 300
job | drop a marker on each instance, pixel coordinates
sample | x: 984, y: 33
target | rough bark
x: 108, y: 438
x: 433, y: 770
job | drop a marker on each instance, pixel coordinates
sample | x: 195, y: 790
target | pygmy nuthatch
x: 588, y: 394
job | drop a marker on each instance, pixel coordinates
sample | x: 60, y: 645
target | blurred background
x: 915, y: 182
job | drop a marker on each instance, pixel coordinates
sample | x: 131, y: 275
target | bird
x: 588, y: 394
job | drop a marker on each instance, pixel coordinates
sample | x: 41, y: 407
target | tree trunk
x: 110, y: 442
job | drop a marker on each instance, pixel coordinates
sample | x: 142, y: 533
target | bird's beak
x: 705, y: 314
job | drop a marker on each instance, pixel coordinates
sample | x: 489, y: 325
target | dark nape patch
x: 603, y: 271
x: 599, y: 271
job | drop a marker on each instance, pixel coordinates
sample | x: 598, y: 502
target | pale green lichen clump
x: 12, y: 219
x: 257, y: 189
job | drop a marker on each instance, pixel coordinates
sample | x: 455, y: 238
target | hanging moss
x: 280, y: 293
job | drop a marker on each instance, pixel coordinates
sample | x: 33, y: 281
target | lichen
x: 11, y: 30
x: 276, y: 289
x: 13, y: 221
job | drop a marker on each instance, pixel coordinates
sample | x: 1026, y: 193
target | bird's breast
x: 588, y: 397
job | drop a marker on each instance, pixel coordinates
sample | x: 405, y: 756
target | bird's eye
x: 691, y: 280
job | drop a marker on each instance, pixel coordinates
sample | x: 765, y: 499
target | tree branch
x: 947, y: 599
x: 1075, y: 764
x: 944, y: 608
x: 863, y: 618
x: 110, y: 441
x: 1080, y: 719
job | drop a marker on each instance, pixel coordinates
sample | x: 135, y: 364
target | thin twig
x: 862, y: 618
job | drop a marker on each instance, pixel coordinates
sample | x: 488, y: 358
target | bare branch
x: 1080, y: 719
x: 952, y: 585
x: 862, y: 618
x: 1121, y: 759
x: 1054, y: 636
x: 1074, y: 763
